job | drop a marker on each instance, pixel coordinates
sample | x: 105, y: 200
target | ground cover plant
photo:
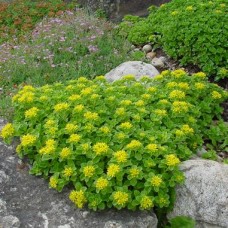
x: 193, y: 32
x: 58, y: 49
x: 119, y: 144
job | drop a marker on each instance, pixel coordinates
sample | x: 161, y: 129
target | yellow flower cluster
x: 85, y: 146
x: 53, y: 182
x: 152, y: 147
x: 28, y: 140
x: 199, y: 85
x: 68, y: 171
x: 120, y: 135
x: 74, y: 138
x: 179, y: 72
x: 156, y: 181
x: 120, y: 111
x: 26, y: 97
x: 74, y: 97
x: 111, y: 98
x: 105, y: 129
x: 50, y: 147
x: 140, y: 103
x: 95, y: 96
x: 126, y: 125
x: 183, y: 85
x: 91, y: 116
x: 146, y: 203
x: 134, y: 172
x: 146, y: 96
x: 51, y: 126
x: 186, y: 129
x: 101, y: 183
x: 216, y: 95
x: 160, y: 112
x: 171, y: 84
x: 180, y: 106
x: 189, y: 8
x: 126, y: 102
x: 7, y: 131
x: 120, y: 198
x: 129, y: 77
x: 112, y: 170
x: 79, y: 108
x: 121, y: 156
x: 87, y: 91
x: 151, y: 89
x: 134, y: 144
x: 172, y: 160
x: 65, y: 153
x: 177, y: 94
x: 88, y: 170
x: 200, y: 75
x: 31, y: 113
x: 61, y: 106
x: 174, y: 13
x: 100, y: 148
x: 71, y: 127
x: 164, y: 102
x: 78, y: 198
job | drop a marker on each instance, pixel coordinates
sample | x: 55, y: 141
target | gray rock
x: 3, y: 177
x: 112, y: 224
x: 136, y: 68
x: 150, y: 55
x: 147, y: 48
x: 2, y: 207
x: 204, y: 195
x: 158, y: 62
x: 9, y: 221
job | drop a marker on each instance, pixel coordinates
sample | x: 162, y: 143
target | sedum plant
x: 119, y: 144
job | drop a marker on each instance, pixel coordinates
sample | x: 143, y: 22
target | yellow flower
x: 120, y: 111
x: 126, y: 125
x: 89, y: 127
x: 65, y: 152
x: 19, y: 148
x: 61, y: 106
x: 69, y: 87
x: 85, y: 146
x: 200, y: 75
x: 190, y: 8
x: 216, y: 95
x: 112, y: 170
x: 121, y: 156
x: 126, y: 102
x: 179, y: 133
x: 160, y: 112
x: 82, y: 79
x: 78, y: 198
x: 100, y: 148
x: 50, y: 146
x: 68, y: 171
x: 134, y: 172
x: 146, y: 96
x: 87, y: 91
x: 28, y: 88
x: 134, y: 144
x: 164, y: 101
x: 101, y: 183
x: 49, y: 123
x: 177, y: 94
x: 140, y: 103
x: 100, y: 78
x: 53, y: 182
x: 172, y: 160
x: 174, y: 13
x: 158, y: 77
x: 180, y: 106
x: 95, y: 96
x: 91, y: 116
x: 186, y: 129
x: 74, y: 138
x: 183, y: 85
x: 74, y: 97
x: 28, y: 140
x: 152, y: 147
x: 156, y: 181
x: 120, y: 198
x: 88, y: 170
x: 71, y: 127
x: 178, y: 73
x: 105, y: 129
x: 165, y: 72
x: 79, y: 108
x: 7, y: 131
x: 151, y: 89
x: 129, y: 77
x: 171, y: 84
x: 32, y: 112
x: 120, y: 135
x: 199, y: 85
x: 146, y: 203
x: 26, y: 97
x: 137, y: 117
x: 111, y: 98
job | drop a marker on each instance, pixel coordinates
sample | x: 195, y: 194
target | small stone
x: 157, y: 62
x: 112, y: 224
x: 133, y: 47
x: 3, y: 177
x: 3, y: 208
x: 150, y: 55
x: 10, y: 221
x: 64, y: 226
x: 136, y: 49
x: 85, y: 214
x: 147, y: 48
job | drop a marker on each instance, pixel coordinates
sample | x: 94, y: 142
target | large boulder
x: 204, y: 195
x: 136, y: 68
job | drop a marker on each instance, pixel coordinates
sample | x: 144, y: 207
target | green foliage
x: 20, y: 16
x: 119, y: 144
x: 194, y: 32
x: 181, y: 222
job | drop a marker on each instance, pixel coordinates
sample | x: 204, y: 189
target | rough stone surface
x: 204, y: 195
x: 150, y: 55
x: 158, y: 62
x: 26, y: 201
x: 136, y: 68
x: 147, y: 48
